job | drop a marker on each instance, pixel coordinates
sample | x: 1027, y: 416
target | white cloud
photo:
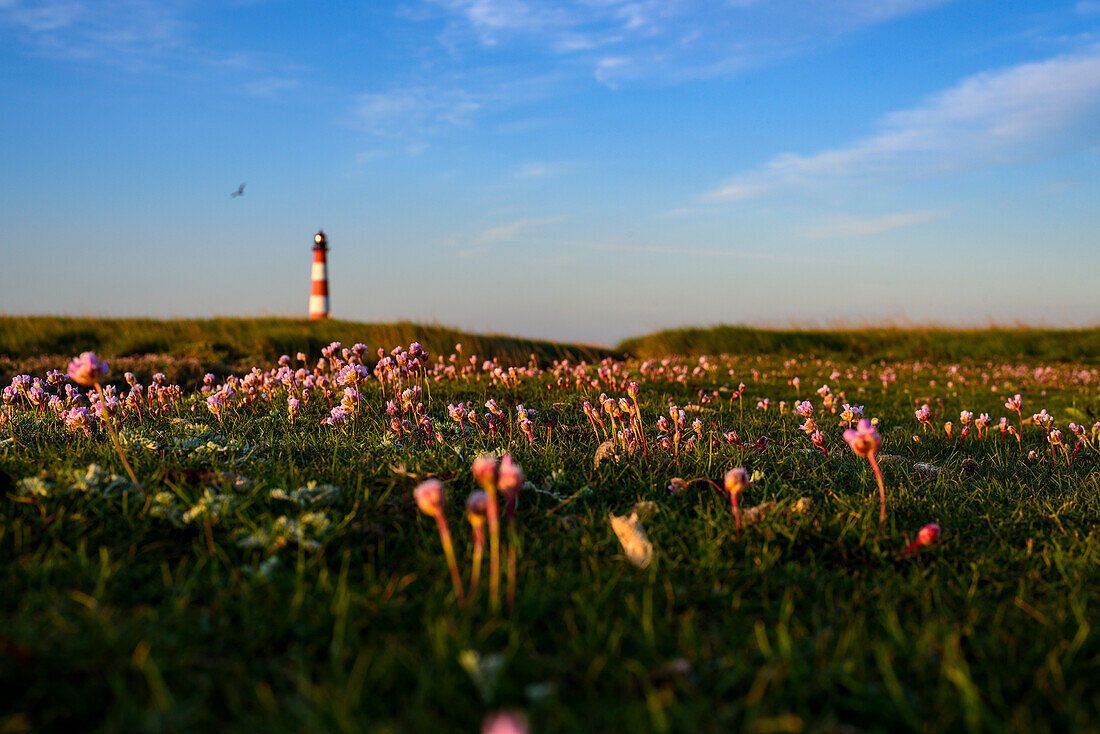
x: 413, y: 110
x: 851, y: 226
x: 664, y: 39
x: 271, y: 87
x: 364, y: 157
x: 1025, y: 112
x: 540, y: 169
x: 115, y: 30
x: 610, y: 69
x: 509, y: 232
x: 138, y: 36
x: 738, y: 190
x: 613, y: 42
x: 695, y: 252
x: 446, y: 101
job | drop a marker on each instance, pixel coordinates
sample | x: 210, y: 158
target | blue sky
x: 580, y: 169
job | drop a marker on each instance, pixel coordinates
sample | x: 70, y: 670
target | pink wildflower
x: 476, y: 510
x: 928, y: 535
x: 486, y: 471
x: 863, y: 439
x: 510, y: 479
x: 736, y: 481
x: 431, y: 500
x: 865, y: 442
x: 505, y: 722
x: 87, y: 369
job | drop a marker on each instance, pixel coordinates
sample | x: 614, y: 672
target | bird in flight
x: 238, y: 192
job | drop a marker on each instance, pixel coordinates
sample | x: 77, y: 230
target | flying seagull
x: 238, y: 192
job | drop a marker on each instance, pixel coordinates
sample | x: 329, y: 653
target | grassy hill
x: 935, y: 344
x: 185, y: 349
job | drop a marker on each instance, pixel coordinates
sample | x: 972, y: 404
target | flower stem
x: 881, y: 491
x: 493, y: 513
x: 511, y: 594
x: 114, y: 439
x: 475, y: 562
x: 452, y: 564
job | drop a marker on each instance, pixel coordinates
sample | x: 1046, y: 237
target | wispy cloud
x: 443, y: 102
x: 852, y: 226
x: 699, y: 252
x: 1025, y: 112
x: 122, y: 31
x: 617, y: 43
x: 541, y: 169
x: 512, y: 230
x: 139, y: 36
x: 271, y: 87
x: 647, y: 39
x: 420, y: 110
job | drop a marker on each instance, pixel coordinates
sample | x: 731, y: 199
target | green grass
x: 872, y: 344
x: 120, y: 613
x: 181, y: 347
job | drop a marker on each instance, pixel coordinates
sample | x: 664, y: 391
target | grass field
x: 872, y: 344
x: 273, y: 573
x: 185, y: 349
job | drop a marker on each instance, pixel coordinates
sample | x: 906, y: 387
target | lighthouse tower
x: 318, y: 295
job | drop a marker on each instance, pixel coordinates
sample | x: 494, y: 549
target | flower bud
x: 429, y: 497
x: 510, y: 476
x: 485, y: 471
x: 737, y: 480
x: 477, y: 507
x: 929, y: 534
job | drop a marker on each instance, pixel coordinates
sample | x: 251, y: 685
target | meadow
x: 254, y: 542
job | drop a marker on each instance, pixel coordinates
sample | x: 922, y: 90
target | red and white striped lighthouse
x: 318, y: 294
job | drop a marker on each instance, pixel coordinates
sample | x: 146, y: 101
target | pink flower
x: 477, y: 506
x: 737, y: 479
x: 928, y: 535
x: 485, y: 471
x: 510, y: 476
x: 863, y: 439
x: 505, y: 722
x: 510, y: 480
x: 429, y: 497
x: 87, y: 370
x: 78, y: 419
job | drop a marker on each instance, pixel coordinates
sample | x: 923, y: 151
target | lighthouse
x: 318, y: 294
